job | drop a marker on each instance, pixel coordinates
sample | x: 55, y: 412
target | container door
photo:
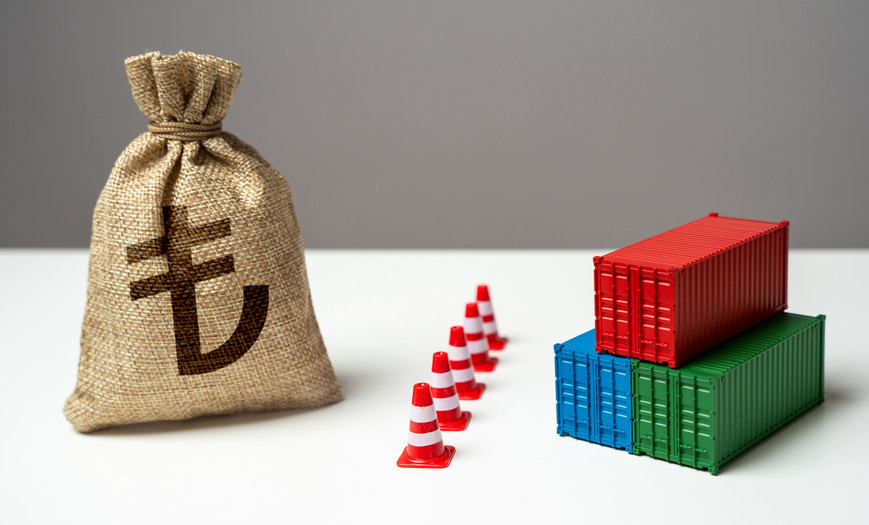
x: 613, y: 305
x: 573, y: 400
x: 651, y: 418
x: 654, y: 315
x: 566, y: 405
x: 634, y: 311
x: 614, y: 400
x: 691, y: 420
x: 606, y: 404
x: 563, y: 402
x: 583, y: 389
x: 622, y: 405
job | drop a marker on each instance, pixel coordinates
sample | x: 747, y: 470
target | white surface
x: 338, y: 462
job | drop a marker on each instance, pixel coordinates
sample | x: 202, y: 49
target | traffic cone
x: 425, y: 446
x: 477, y: 344
x: 446, y: 400
x: 490, y: 328
x: 460, y: 362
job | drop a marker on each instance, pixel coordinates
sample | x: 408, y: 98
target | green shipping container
x: 724, y: 401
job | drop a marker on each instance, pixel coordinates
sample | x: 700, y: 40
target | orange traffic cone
x: 425, y: 446
x: 446, y: 400
x: 490, y: 328
x: 463, y: 371
x: 477, y: 344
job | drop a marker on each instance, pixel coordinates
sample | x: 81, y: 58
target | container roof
x: 691, y: 242
x: 583, y: 346
x: 747, y: 345
x: 579, y: 345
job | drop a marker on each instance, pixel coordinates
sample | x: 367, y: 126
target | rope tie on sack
x: 184, y: 131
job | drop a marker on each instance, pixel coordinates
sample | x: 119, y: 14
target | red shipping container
x: 674, y: 295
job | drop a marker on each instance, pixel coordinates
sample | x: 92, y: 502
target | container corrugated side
x: 593, y: 393
x: 725, y: 401
x: 675, y: 295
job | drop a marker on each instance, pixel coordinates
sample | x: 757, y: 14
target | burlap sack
x: 198, y: 299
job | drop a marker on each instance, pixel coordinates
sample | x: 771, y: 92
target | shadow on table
x: 350, y: 384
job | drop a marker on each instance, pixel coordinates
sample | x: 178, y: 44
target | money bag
x: 198, y: 300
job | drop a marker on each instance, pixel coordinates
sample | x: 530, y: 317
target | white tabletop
x: 382, y: 314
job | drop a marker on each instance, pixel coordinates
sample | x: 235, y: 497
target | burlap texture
x: 183, y: 232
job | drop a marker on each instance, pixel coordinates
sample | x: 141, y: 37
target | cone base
x: 457, y: 425
x: 442, y: 461
x: 473, y: 395
x: 486, y: 366
x: 498, y: 343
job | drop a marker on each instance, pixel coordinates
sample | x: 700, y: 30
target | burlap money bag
x: 198, y: 299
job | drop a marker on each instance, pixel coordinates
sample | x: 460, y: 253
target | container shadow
x: 351, y: 384
x: 836, y: 395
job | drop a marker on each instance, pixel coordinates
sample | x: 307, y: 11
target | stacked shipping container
x: 672, y: 297
x: 731, y: 397
x: 593, y: 393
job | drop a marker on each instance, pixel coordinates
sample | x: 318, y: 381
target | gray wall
x: 457, y: 124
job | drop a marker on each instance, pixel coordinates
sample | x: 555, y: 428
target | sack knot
x: 184, y: 131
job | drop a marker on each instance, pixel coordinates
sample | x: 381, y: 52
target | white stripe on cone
x: 422, y: 414
x: 443, y: 404
x: 480, y: 346
x: 473, y: 326
x: 463, y: 375
x: 424, y: 440
x: 458, y: 353
x: 443, y: 380
x: 485, y: 308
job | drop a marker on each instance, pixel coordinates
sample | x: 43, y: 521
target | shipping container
x: 677, y: 294
x: 593, y: 393
x: 723, y: 402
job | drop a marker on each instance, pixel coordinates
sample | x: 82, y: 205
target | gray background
x: 456, y: 124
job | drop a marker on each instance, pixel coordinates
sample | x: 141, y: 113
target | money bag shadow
x: 202, y: 423
x: 351, y: 383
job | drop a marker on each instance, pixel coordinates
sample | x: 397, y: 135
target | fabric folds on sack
x: 198, y: 300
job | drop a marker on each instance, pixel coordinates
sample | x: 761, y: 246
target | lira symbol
x: 176, y: 244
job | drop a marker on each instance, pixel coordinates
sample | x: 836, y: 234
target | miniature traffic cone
x: 425, y: 446
x: 446, y: 400
x: 477, y: 344
x: 463, y: 371
x: 490, y: 329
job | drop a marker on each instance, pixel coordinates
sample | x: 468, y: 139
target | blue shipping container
x: 593, y: 393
